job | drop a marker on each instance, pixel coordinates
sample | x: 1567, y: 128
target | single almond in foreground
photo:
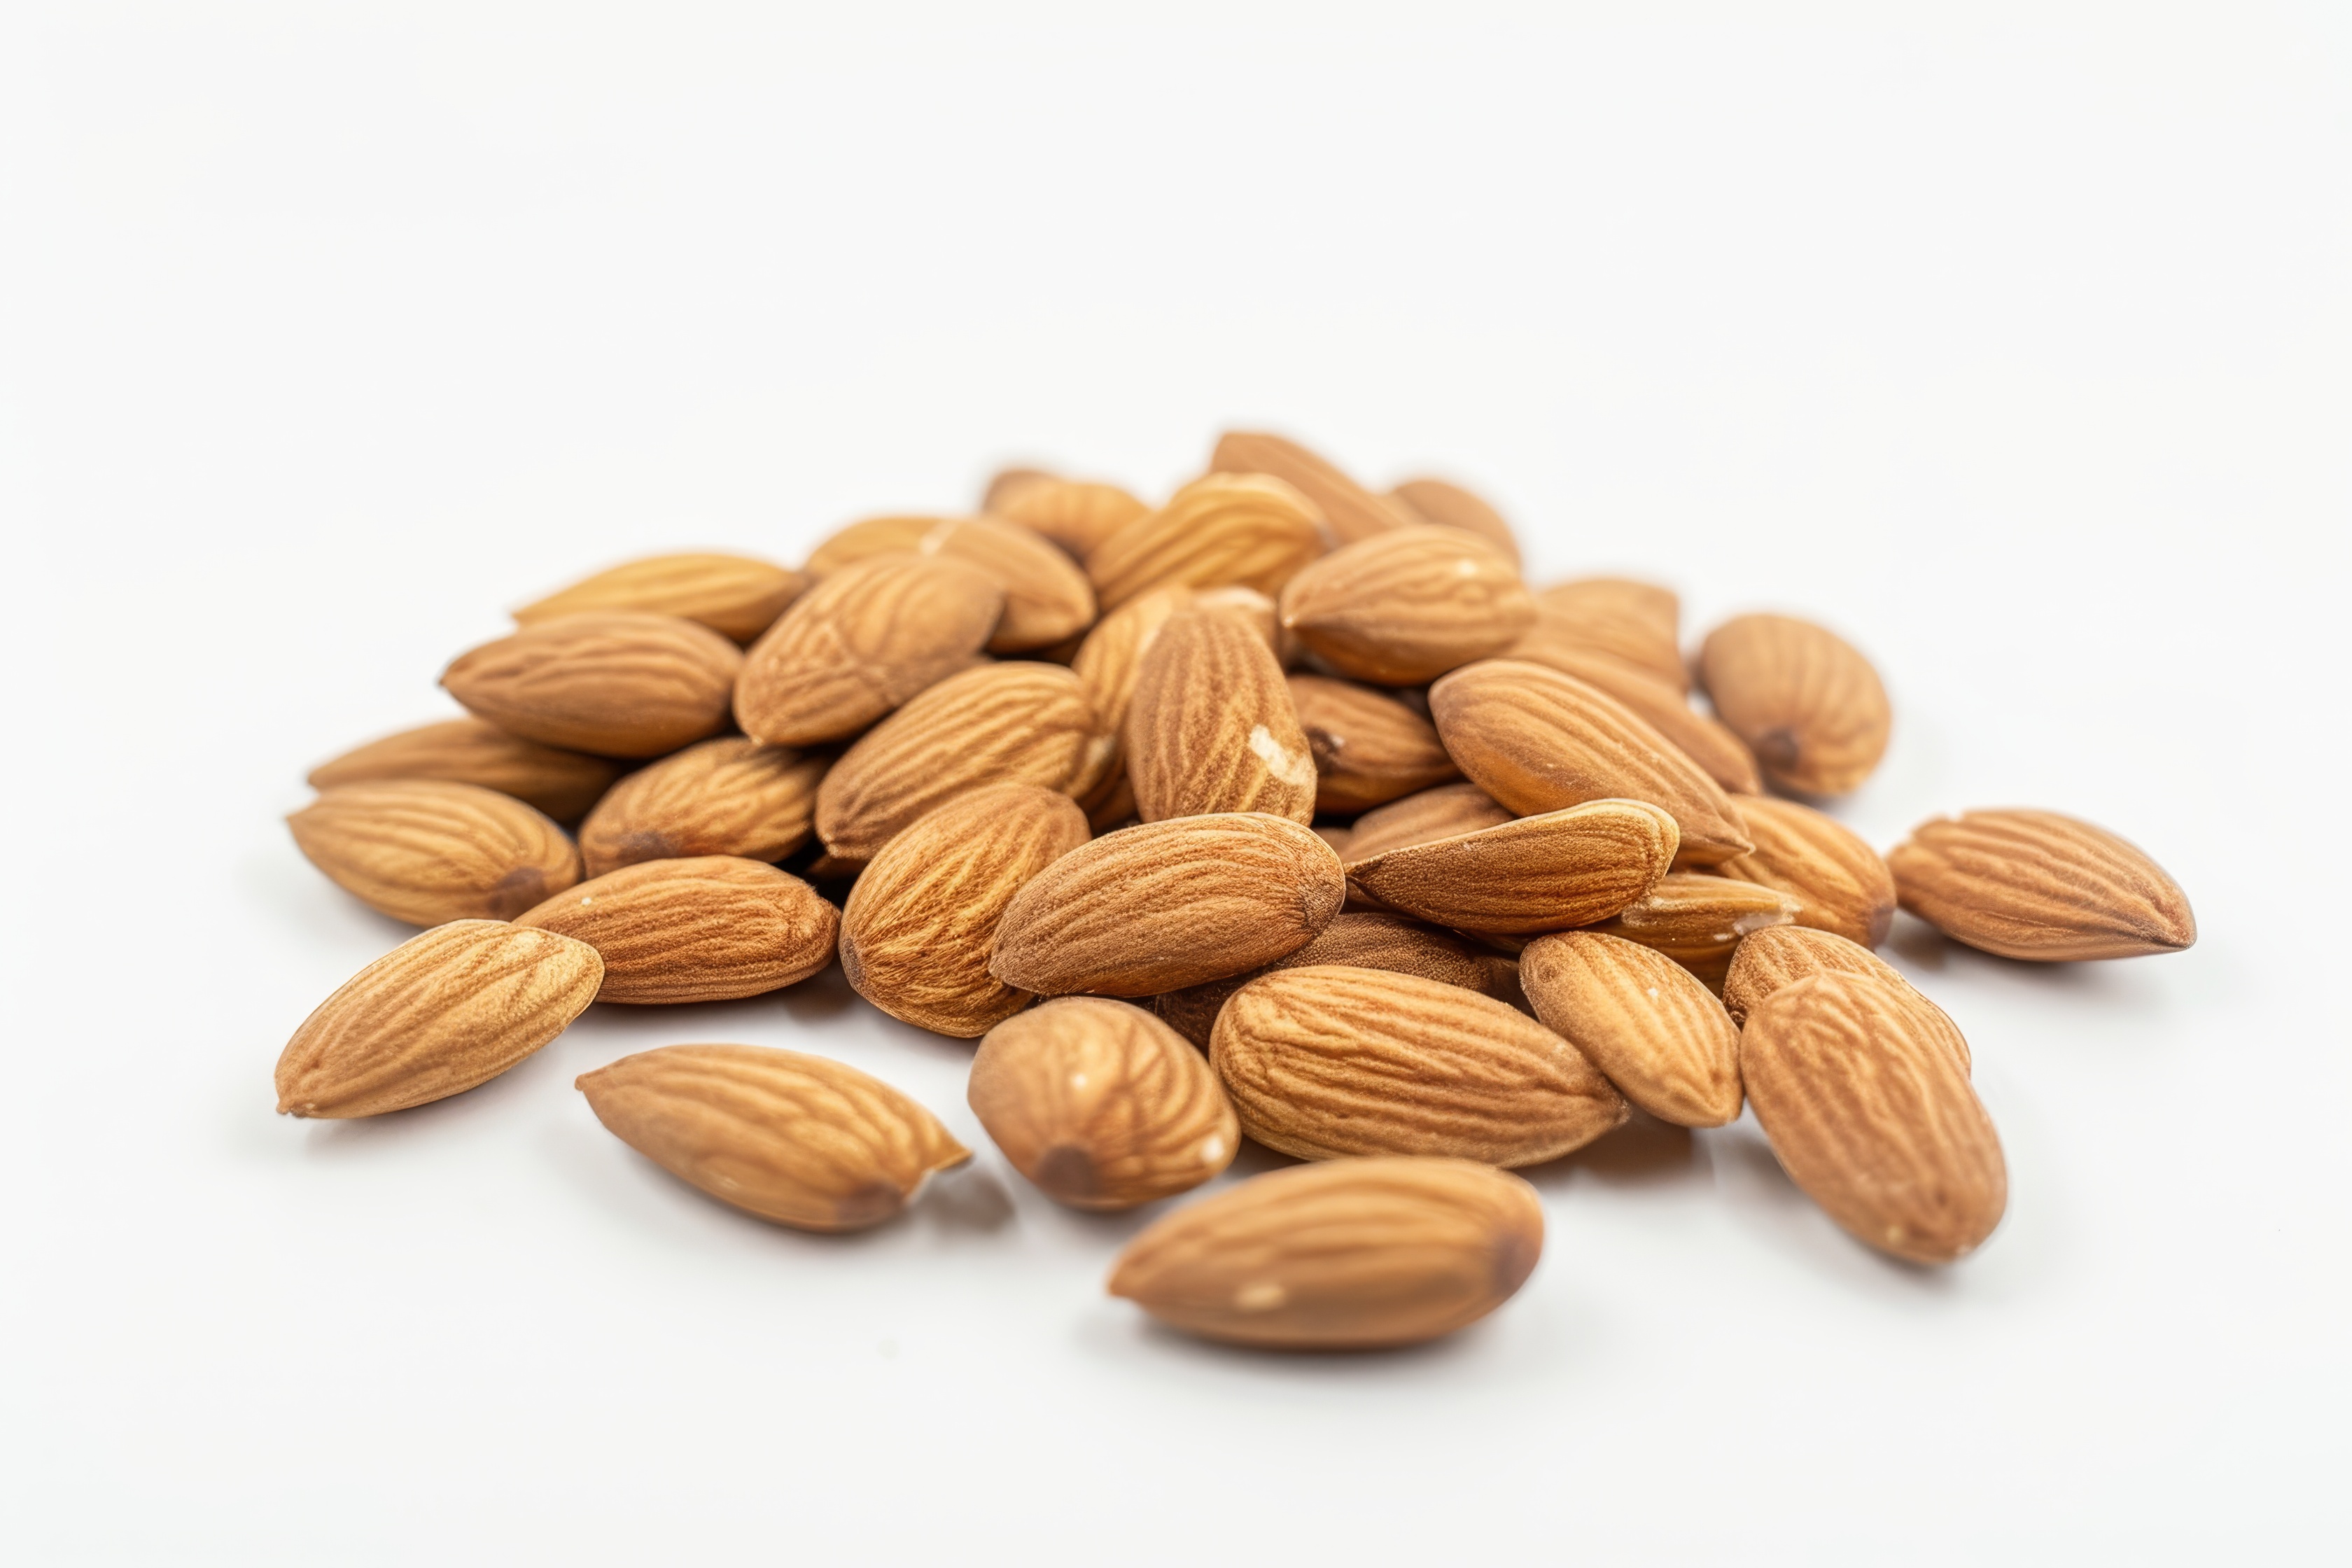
x: 427, y: 852
x: 1806, y: 701
x: 2038, y: 886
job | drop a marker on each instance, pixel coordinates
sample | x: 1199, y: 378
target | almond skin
x: 2039, y: 886
x: 618, y: 684
x: 1074, y: 515
x: 1370, y: 748
x: 708, y: 928
x: 726, y: 796
x: 1109, y: 662
x: 1352, y: 511
x: 1767, y: 959
x: 445, y: 1010
x: 1642, y: 1019
x: 1212, y: 729
x: 425, y: 852
x: 1359, y: 940
x: 801, y: 1140
x: 1872, y: 1117
x: 919, y: 925
x: 1327, y: 1060
x: 1638, y: 624
x: 1101, y: 1104
x: 1538, y: 741
x: 1442, y: 812
x: 1405, y: 607
x: 1807, y: 703
x: 735, y: 596
x: 1007, y: 483
x: 1839, y: 882
x: 1699, y: 921
x: 1451, y: 506
x: 1168, y: 904
x: 1351, y: 1254
x: 1722, y: 755
x: 1226, y: 529
x: 1047, y: 598
x: 1539, y: 873
x: 563, y: 784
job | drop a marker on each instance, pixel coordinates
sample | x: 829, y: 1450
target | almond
x: 1771, y: 957
x: 445, y: 1010
x: 619, y: 684
x: 1212, y: 729
x: 1359, y: 940
x: 1007, y: 483
x: 1808, y: 705
x: 563, y: 784
x: 1046, y: 597
x: 708, y: 928
x: 1101, y: 1104
x: 1451, y: 506
x: 2039, y: 886
x: 1405, y: 607
x: 1547, y: 872
x: 1723, y: 756
x: 1110, y: 660
x: 1370, y: 748
x: 1445, y: 812
x: 1337, y: 835
x: 919, y: 927
x: 1353, y: 512
x: 1872, y: 1117
x: 1227, y: 530
x: 726, y: 796
x: 1074, y: 515
x: 735, y: 596
x: 1838, y: 881
x: 796, y: 1138
x: 1352, y: 1255
x: 1638, y: 624
x: 1697, y: 920
x: 1168, y: 904
x: 1643, y: 1020
x: 424, y: 851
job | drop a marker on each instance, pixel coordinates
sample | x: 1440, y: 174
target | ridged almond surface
x: 1328, y: 1061
x: 445, y: 1010
x: 737, y: 597
x: 1767, y: 959
x: 1638, y: 622
x: 918, y: 928
x: 1351, y: 1254
x: 1047, y: 598
x: 1443, y: 812
x: 1722, y: 755
x: 707, y: 928
x: 1073, y: 514
x: 1211, y: 728
x: 1110, y: 661
x: 1697, y: 920
x: 425, y: 852
x: 1352, y: 511
x: 1359, y: 940
x: 1547, y: 872
x: 563, y: 784
x: 726, y: 796
x: 2036, y: 884
x: 1101, y: 1104
x: 1839, y: 882
x: 616, y: 683
x: 1807, y: 703
x: 1168, y: 904
x: 1370, y: 748
x: 1874, y: 1117
x: 1451, y: 506
x: 1642, y: 1019
x: 1538, y: 741
x: 1227, y: 530
x: 801, y: 1140
x: 1405, y: 607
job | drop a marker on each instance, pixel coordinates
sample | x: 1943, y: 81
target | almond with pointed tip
x: 1642, y: 1019
x: 613, y: 683
x: 1723, y: 755
x: 2040, y: 886
x: 1782, y: 955
x: 1807, y: 703
x: 1699, y: 921
x: 1442, y: 812
x: 1451, y: 506
x: 1838, y: 881
x: 424, y: 851
x: 726, y: 796
x: 1227, y: 530
x: 711, y: 927
x: 1211, y: 727
x: 1547, y: 872
x: 563, y: 784
x: 1405, y: 607
x: 737, y: 597
x: 1638, y: 624
x: 1352, y: 511
x: 1370, y: 748
x: 1076, y: 515
x: 1359, y: 940
x: 1047, y: 598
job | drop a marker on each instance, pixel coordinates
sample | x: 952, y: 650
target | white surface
x: 2011, y: 342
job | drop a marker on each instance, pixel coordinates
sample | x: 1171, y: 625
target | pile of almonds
x: 1308, y: 819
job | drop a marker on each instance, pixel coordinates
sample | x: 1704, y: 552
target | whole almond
x: 1359, y: 940
x: 1110, y: 661
x: 1722, y: 755
x: 1699, y: 921
x: 445, y: 1010
x: 1839, y: 882
x: 1443, y: 812
x: 1244, y: 530
x: 1782, y: 955
x: 726, y: 796
x: 1351, y: 1254
x: 619, y: 684
x: 1046, y: 597
x: 1808, y: 704
x: 1168, y: 904
x: 708, y: 928
x: 918, y: 928
x: 1007, y: 483
x: 1451, y: 506
x: 1353, y: 512
x: 1872, y: 1117
x: 1405, y: 607
x: 1370, y: 748
x: 424, y: 851
x: 1638, y: 624
x: 1077, y: 516
x: 1101, y: 1104
x: 1642, y: 1019
x: 2035, y: 885
x: 1211, y: 728
x: 1547, y: 872
x: 563, y: 784
x: 735, y: 596
x: 801, y: 1140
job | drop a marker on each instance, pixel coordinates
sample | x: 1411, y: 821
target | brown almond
x: 1782, y: 955
x: 1047, y: 598
x: 1839, y: 882
x: 1007, y: 483
x: 1211, y: 727
x: 1405, y: 607
x: 708, y: 928
x: 424, y: 851
x: 1110, y: 660
x: 1353, y: 512
x: 1723, y: 755
x: 2039, y: 886
x: 1547, y: 872
x: 735, y: 596
x: 1370, y: 748
x: 563, y: 784
x: 1642, y: 1019
x: 1359, y: 940
x: 1807, y: 703
x: 726, y: 796
x: 1227, y: 530
x: 1451, y: 506
x: 1074, y: 515
x: 616, y: 683
x: 1699, y: 921
x: 1639, y: 624
x: 1443, y: 812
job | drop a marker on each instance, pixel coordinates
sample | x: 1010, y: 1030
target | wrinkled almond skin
x: 1109, y: 662
x: 919, y: 925
x: 1359, y: 940
x: 1076, y: 515
x: 1348, y: 1255
x: 1451, y: 506
x: 1327, y: 1060
x: 1211, y: 727
x: 1872, y: 1117
x: 1807, y: 703
x: 1547, y: 872
x: 1370, y: 748
x: 614, y: 683
x: 1441, y: 812
x: 1047, y: 598
x: 1642, y: 1019
x: 1839, y: 882
x: 726, y: 796
x: 1638, y: 624
x: 563, y: 784
x: 1168, y: 904
x: 737, y: 597
x: 1699, y: 921
x: 445, y: 1010
x: 1100, y: 1104
x: 1776, y: 955
x: 1227, y: 530
x: 2039, y: 886
x: 426, y: 852
x: 708, y: 928
x: 1352, y: 511
x: 1405, y: 607
x: 1720, y: 754
x: 800, y: 1140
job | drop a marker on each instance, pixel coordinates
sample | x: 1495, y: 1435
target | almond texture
x: 1047, y: 598
x: 1808, y: 704
x: 424, y: 851
x: 737, y: 597
x: 1838, y: 881
x: 1697, y: 920
x: 1722, y: 755
x: 2036, y: 884
x: 1538, y: 873
x: 1352, y: 511
x: 1643, y: 1020
x: 1405, y: 607
x: 707, y: 928
x: 1359, y: 940
x: 563, y: 784
x: 1211, y: 728
x: 618, y: 684
x: 1225, y: 530
x: 1776, y: 955
x: 1441, y: 812
x: 726, y: 796
x: 1370, y: 748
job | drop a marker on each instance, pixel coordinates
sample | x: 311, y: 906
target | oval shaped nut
x: 1872, y: 1117
x: 1101, y: 1104
x: 1352, y: 511
x: 1225, y: 530
x: 801, y: 1140
x: 561, y: 783
x: 1007, y: 483
x: 616, y: 683
x: 1699, y: 921
x: 1720, y: 754
x: 1168, y: 904
x: 919, y: 925
x: 1838, y: 881
x: 738, y: 596
x: 707, y: 928
x: 1002, y: 723
x: 1642, y: 1019
x: 1047, y: 598
x: 1211, y: 728
x: 425, y: 852
x: 1407, y: 606
x: 1442, y: 812
x: 726, y: 796
x: 1561, y: 868
x: 1538, y: 741
x: 1451, y: 506
x: 445, y: 1010
x: 1639, y: 624
x: 1807, y: 703
x: 1370, y: 748
x: 2039, y: 886
x: 1351, y: 1254
x: 1359, y: 940
x: 1776, y: 955
x: 1073, y: 514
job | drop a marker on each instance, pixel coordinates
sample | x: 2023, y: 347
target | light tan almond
x: 1007, y: 483
x: 1168, y: 904
x: 1211, y: 727
x: 445, y: 1010
x: 1227, y: 530
x: 617, y: 683
x: 1642, y: 1019
x: 801, y: 1140
x: 1699, y: 921
x: 1353, y: 512
x: 1359, y: 940
x: 1723, y: 755
x: 424, y: 851
x: 1775, y: 955
x: 1547, y: 872
x: 1351, y: 1255
x: 1808, y: 704
x: 1046, y: 597
x: 1444, y: 811
x: 1451, y: 506
x: 1074, y: 515
x: 1405, y: 607
x: 919, y: 927
x: 735, y: 596
x: 1839, y: 882
x: 563, y: 784
x: 726, y: 796
x: 1872, y: 1116
x: 1637, y: 623
x: 1370, y: 748
x: 708, y: 928
x: 2039, y: 886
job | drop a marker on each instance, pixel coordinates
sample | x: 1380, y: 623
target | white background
x: 2012, y: 340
